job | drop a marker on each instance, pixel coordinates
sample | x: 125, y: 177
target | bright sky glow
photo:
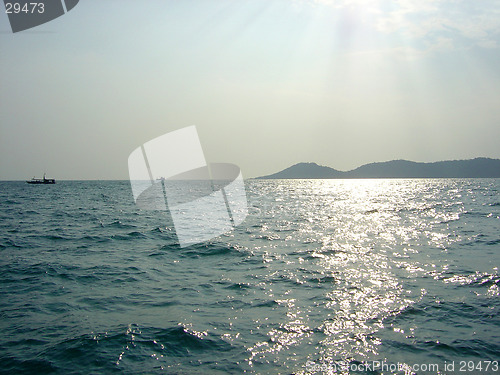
x: 268, y: 83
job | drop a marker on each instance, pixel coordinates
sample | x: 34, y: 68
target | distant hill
x: 307, y: 170
x: 472, y: 168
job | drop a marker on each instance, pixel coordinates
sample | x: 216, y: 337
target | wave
x: 131, y: 349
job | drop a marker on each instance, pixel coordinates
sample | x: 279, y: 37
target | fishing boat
x: 42, y: 180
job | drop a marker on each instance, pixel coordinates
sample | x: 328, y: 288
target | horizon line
x: 310, y: 162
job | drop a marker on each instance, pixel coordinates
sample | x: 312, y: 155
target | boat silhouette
x: 42, y: 180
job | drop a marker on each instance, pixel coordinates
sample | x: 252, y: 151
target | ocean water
x: 323, y: 277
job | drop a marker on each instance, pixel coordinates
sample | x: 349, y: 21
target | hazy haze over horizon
x: 267, y: 83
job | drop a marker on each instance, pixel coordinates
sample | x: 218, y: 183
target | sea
x: 370, y: 276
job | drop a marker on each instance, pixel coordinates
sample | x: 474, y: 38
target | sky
x: 268, y: 83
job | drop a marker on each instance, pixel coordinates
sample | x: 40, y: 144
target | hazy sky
x: 268, y: 83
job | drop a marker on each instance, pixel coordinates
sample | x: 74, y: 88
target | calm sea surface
x: 323, y: 277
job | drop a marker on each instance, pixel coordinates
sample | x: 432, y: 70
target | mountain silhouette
x: 472, y: 168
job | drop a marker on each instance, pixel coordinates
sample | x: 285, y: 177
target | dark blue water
x: 322, y: 277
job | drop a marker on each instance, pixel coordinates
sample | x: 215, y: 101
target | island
x: 471, y: 168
